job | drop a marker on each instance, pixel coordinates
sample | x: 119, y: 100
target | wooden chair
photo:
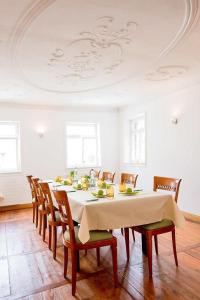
x: 98, y: 238
x: 53, y: 217
x: 96, y: 172
x: 108, y: 176
x: 129, y: 178
x: 154, y: 229
x: 42, y: 208
x: 34, y: 200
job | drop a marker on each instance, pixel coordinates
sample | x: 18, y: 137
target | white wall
x: 172, y: 150
x: 45, y: 157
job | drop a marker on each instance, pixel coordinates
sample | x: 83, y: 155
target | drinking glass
x: 122, y: 187
x: 110, y: 192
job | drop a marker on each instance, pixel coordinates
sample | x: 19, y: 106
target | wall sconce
x: 40, y: 131
x: 174, y: 120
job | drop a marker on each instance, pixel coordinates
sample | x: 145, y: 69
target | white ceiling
x: 97, y: 52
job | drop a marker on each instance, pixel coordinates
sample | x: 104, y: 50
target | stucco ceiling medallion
x: 100, y: 53
x: 166, y: 73
x: 87, y: 56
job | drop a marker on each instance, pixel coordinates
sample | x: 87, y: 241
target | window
x: 137, y: 140
x: 82, y: 145
x: 9, y: 147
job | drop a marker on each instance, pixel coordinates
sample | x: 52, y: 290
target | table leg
x: 144, y: 244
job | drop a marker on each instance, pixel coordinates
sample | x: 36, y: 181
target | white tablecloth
x: 122, y: 211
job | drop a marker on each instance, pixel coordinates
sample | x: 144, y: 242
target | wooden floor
x: 27, y: 270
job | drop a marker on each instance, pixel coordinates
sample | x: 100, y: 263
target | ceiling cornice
x: 190, y: 20
x: 68, y: 108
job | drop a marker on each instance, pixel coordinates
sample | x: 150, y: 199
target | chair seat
x: 158, y: 225
x: 57, y: 215
x: 95, y: 235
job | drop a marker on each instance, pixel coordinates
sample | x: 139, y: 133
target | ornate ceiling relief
x: 58, y: 49
x: 166, y: 73
x: 96, y: 52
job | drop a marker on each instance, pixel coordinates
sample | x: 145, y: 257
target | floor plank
x: 3, y: 245
x: 29, y: 271
x: 4, y: 278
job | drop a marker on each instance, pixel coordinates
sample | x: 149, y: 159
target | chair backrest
x: 29, y: 177
x: 167, y: 184
x: 96, y: 172
x: 65, y: 213
x: 35, y: 188
x: 108, y: 176
x: 46, y: 194
x: 129, y: 178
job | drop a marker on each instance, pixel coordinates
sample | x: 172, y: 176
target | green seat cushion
x: 57, y: 215
x: 158, y: 225
x: 95, y: 235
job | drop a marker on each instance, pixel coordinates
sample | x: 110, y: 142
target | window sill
x: 2, y: 173
x: 83, y: 167
x: 136, y: 164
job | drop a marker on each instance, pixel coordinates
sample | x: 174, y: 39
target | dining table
x: 121, y: 211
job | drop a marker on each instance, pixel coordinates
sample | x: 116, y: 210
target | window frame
x: 17, y: 138
x: 83, y: 137
x: 131, y: 131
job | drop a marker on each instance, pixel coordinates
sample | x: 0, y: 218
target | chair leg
x: 133, y: 234
x: 85, y: 251
x: 40, y: 223
x: 74, y: 270
x: 44, y: 227
x: 114, y: 259
x: 78, y: 261
x: 98, y: 256
x: 54, y: 241
x: 122, y: 231
x: 36, y: 216
x: 149, y: 252
x: 33, y: 212
x: 50, y: 234
x: 126, y: 231
x: 65, y: 261
x: 174, y: 246
x: 156, y: 243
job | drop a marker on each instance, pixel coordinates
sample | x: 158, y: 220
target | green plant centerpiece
x: 85, y: 179
x: 71, y: 174
x: 102, y: 184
